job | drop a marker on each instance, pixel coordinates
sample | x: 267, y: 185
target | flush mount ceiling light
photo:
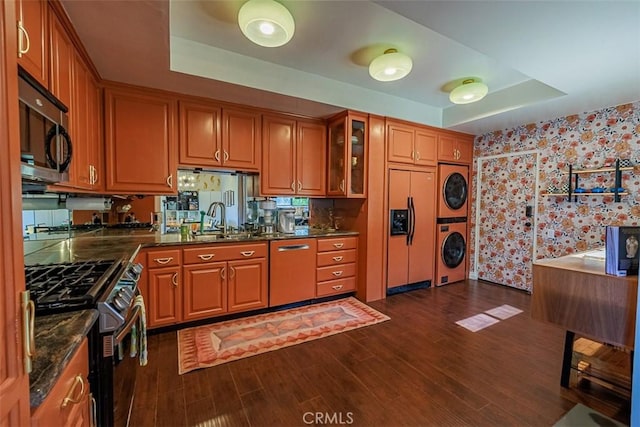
x: 390, y: 66
x: 266, y: 22
x: 469, y: 91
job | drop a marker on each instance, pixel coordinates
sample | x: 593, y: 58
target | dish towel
x: 139, y: 333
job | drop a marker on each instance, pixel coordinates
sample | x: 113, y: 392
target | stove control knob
x: 118, y: 301
x: 134, y: 271
x: 122, y: 300
x: 127, y: 292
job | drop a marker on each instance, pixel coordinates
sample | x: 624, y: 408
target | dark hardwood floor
x: 419, y: 368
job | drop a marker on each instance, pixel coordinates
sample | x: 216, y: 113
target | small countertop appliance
x: 287, y: 221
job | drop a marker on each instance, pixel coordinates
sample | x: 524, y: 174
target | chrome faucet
x: 223, y: 214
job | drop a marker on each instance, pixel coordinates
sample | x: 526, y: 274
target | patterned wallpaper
x: 587, y: 140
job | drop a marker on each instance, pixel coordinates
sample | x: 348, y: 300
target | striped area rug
x: 218, y: 343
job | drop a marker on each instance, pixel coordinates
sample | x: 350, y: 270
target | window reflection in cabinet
x: 347, y: 156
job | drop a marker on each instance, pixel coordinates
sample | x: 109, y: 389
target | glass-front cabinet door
x: 347, y: 156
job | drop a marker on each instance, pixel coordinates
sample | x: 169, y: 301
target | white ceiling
x: 541, y: 60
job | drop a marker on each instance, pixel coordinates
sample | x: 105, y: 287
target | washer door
x: 455, y: 191
x: 453, y: 249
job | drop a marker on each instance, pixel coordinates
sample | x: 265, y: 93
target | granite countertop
x: 58, y: 336
x: 124, y: 244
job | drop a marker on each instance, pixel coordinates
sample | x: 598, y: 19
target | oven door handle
x: 129, y: 325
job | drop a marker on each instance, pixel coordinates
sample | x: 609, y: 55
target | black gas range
x: 70, y: 286
x: 109, y: 286
x: 106, y: 285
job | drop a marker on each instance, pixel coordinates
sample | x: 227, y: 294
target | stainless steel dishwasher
x: 292, y: 273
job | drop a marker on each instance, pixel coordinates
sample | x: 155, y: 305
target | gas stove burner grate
x: 67, y: 286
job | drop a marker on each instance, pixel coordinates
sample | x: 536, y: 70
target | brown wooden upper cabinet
x: 347, y: 162
x: 140, y: 141
x: 219, y: 137
x: 33, y: 46
x: 86, y: 168
x: 411, y: 144
x: 293, y: 158
x: 455, y: 149
x: 241, y: 139
x: 61, y: 57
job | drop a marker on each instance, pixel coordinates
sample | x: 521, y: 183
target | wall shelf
x: 583, y: 194
x: 574, y: 182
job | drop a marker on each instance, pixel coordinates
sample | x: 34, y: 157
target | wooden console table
x: 574, y: 292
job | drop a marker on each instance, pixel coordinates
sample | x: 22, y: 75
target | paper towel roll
x: 88, y: 204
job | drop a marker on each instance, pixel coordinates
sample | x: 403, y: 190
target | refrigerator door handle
x: 412, y: 216
x: 409, y: 221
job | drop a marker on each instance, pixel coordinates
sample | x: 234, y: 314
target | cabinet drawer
x: 334, y: 287
x: 336, y: 244
x: 333, y: 272
x: 336, y: 257
x: 165, y: 258
x: 58, y: 407
x: 204, y: 254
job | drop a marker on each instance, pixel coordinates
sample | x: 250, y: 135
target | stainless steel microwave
x: 45, y: 144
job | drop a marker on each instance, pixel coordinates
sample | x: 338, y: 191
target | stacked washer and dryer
x: 451, y: 234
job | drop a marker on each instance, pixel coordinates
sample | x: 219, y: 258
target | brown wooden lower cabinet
x: 194, y: 282
x: 205, y: 290
x: 164, y: 301
x: 204, y: 281
x: 247, y: 284
x: 70, y: 401
x: 336, y: 266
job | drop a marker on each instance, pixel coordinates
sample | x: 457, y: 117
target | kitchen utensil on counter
x: 287, y: 220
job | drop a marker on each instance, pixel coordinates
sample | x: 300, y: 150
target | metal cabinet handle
x: 163, y: 260
x: 248, y: 253
x: 223, y: 273
x: 94, y: 411
x: 170, y: 181
x: 232, y: 272
x: 337, y: 273
x: 413, y: 155
x: 28, y: 329
x: 293, y: 186
x: 337, y: 287
x: 174, y: 279
x: 292, y: 248
x: 217, y: 155
x: 69, y: 397
x: 226, y: 156
x: 417, y: 155
x: 342, y: 185
x: 338, y: 245
x: 27, y: 45
x: 337, y: 258
x: 299, y: 186
x: 206, y: 257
